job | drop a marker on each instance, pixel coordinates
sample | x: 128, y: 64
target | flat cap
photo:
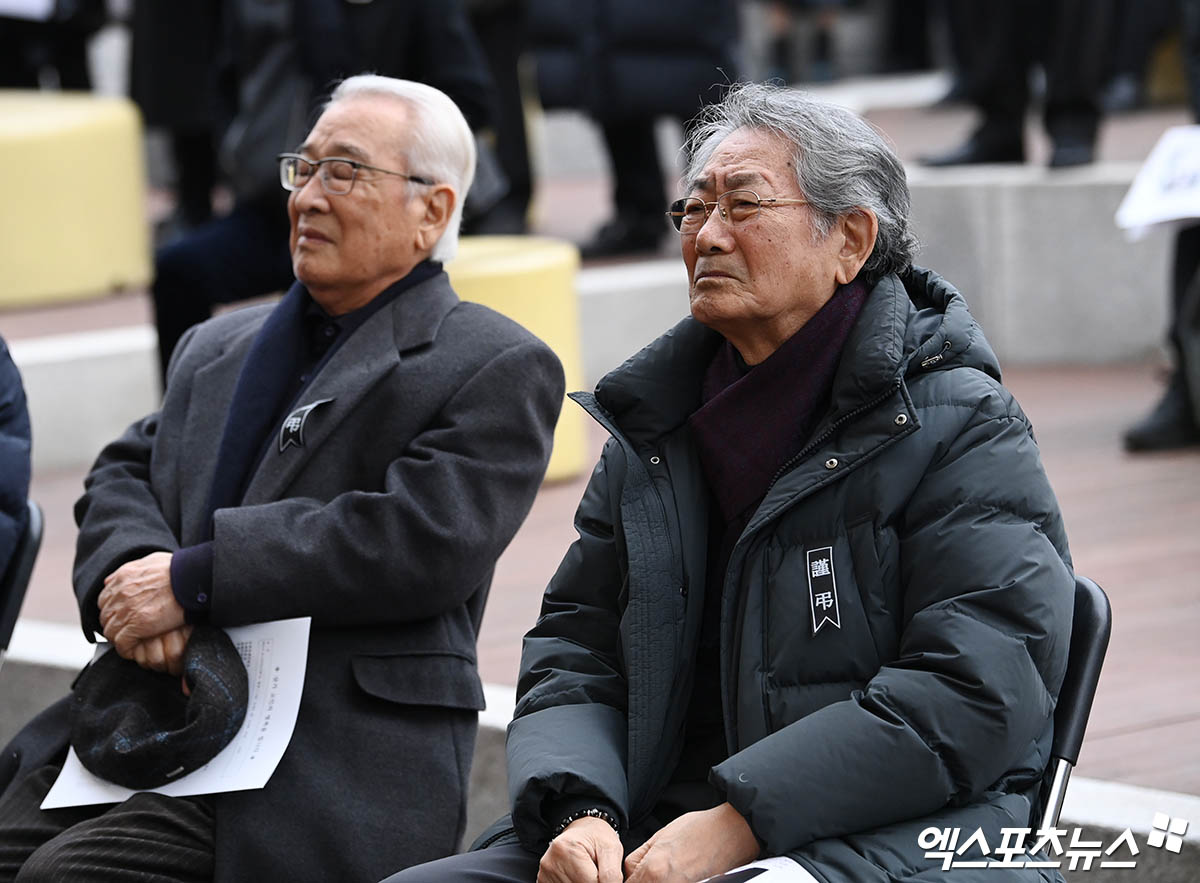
x: 137, y: 728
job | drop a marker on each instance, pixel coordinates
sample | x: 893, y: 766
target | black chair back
x: 1090, y: 630
x: 16, y: 577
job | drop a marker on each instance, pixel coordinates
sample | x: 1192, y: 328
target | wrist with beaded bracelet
x: 591, y: 812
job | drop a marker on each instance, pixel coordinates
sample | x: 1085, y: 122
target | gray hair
x: 440, y: 143
x: 842, y: 163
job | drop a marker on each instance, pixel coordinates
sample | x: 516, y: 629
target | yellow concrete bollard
x: 74, y: 220
x: 532, y: 281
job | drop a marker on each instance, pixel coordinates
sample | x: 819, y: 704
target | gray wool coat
x: 920, y: 502
x: 384, y: 527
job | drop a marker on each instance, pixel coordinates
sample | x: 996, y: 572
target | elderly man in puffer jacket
x: 821, y: 597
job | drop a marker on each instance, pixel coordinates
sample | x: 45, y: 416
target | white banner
x: 1167, y: 186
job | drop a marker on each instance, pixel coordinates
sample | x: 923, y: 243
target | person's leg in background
x: 639, y: 191
x: 1075, y: 57
x: 998, y: 36
x: 195, y: 159
x: 20, y: 51
x: 501, y: 32
x: 242, y: 255
x: 780, y: 24
x: 822, y: 66
x: 1172, y: 423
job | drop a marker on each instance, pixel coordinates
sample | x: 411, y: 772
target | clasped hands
x: 140, y: 616
x: 694, y: 846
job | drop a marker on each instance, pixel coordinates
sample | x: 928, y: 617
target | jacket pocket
x: 877, y: 586
x: 446, y: 680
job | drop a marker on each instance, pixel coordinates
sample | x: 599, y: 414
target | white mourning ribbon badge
x: 292, y: 430
x: 822, y: 589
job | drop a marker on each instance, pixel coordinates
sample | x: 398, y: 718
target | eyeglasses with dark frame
x: 337, y: 173
x: 689, y: 214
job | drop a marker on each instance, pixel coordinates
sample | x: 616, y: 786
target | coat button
x: 831, y: 463
x: 901, y: 419
x: 655, y: 460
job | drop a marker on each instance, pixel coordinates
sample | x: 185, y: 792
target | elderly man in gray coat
x: 360, y: 453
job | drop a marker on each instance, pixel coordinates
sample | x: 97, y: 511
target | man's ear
x: 439, y: 206
x: 859, y: 229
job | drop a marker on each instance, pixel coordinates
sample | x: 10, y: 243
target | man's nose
x: 714, y: 234
x: 311, y: 193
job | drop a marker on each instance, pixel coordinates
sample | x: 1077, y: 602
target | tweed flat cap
x: 136, y: 727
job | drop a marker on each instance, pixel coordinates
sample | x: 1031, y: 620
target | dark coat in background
x: 280, y: 59
x: 14, y: 456
x: 172, y: 70
x: 632, y: 59
x: 384, y: 527
x: 930, y: 704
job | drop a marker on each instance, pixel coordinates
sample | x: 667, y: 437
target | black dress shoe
x: 626, y: 234
x: 1170, y: 425
x: 1069, y: 152
x: 977, y: 151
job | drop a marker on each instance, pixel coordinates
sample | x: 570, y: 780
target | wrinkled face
x: 347, y: 248
x: 757, y: 283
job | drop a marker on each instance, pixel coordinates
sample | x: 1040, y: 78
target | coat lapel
x: 374, y: 351
x: 212, y: 391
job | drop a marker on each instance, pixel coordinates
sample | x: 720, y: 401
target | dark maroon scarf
x: 754, y: 419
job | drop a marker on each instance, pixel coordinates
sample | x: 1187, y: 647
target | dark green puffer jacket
x: 931, y: 704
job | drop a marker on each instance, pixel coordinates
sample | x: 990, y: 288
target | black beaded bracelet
x: 593, y: 813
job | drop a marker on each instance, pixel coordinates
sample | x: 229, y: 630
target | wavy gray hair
x: 842, y: 163
x: 440, y: 143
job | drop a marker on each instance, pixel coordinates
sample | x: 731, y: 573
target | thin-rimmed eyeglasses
x: 736, y: 207
x: 337, y: 173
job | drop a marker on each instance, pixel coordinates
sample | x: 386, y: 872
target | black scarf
x: 265, y: 385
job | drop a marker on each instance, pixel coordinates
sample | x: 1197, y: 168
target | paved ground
x: 1132, y: 521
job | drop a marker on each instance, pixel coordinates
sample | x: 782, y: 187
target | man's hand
x: 588, y: 851
x: 137, y: 603
x: 694, y: 846
x: 163, y: 652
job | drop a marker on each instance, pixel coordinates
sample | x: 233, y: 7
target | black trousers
x: 499, y: 864
x: 240, y: 256
x: 501, y: 29
x: 147, y: 839
x: 639, y: 186
x: 1070, y: 38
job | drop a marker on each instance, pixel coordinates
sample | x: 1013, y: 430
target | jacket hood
x: 942, y: 323
x: 911, y: 323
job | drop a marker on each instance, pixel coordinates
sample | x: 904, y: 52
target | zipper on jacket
x: 791, y: 462
x: 934, y: 359
x: 729, y: 678
x: 502, y: 833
